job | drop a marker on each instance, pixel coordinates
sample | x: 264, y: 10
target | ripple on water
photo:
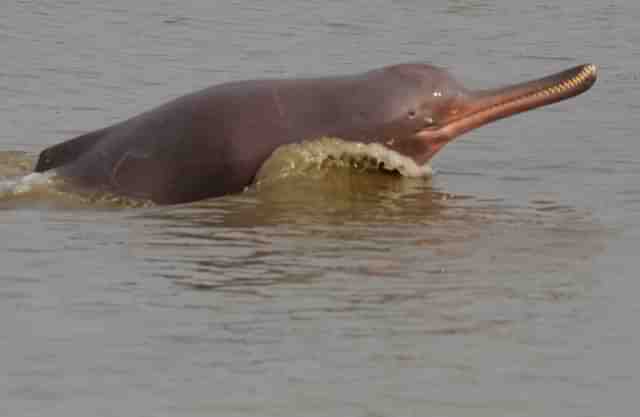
x: 382, y: 246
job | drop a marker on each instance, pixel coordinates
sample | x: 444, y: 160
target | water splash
x: 315, y: 157
x: 11, y: 187
x: 20, y: 187
x: 50, y: 191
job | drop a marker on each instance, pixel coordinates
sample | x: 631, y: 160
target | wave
x: 317, y: 157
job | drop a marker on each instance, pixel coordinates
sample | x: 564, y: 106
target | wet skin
x: 212, y: 142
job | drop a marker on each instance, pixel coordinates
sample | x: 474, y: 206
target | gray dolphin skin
x: 212, y: 142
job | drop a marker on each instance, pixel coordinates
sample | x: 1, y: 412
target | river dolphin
x: 212, y: 142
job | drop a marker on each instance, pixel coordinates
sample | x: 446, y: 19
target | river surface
x: 505, y: 285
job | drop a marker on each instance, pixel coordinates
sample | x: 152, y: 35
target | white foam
x: 391, y: 160
x: 22, y: 185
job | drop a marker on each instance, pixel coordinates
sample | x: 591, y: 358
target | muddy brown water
x: 504, y: 285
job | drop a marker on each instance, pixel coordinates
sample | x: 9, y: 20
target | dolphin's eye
x: 411, y: 114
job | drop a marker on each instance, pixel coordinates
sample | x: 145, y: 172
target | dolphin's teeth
x: 568, y: 84
x: 590, y: 69
x: 574, y: 82
x: 586, y: 72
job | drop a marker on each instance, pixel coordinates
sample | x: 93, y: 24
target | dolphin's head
x: 424, y: 107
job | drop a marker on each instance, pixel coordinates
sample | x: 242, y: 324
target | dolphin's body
x: 212, y: 142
